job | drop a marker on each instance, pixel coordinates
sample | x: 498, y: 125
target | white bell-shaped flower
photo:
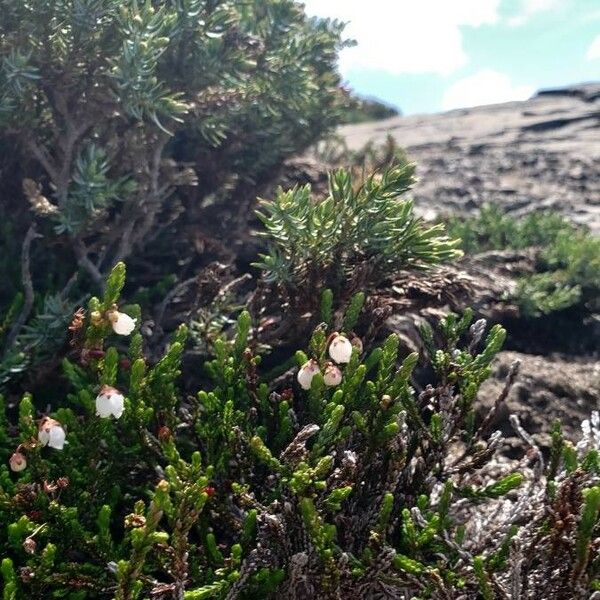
x: 122, y: 323
x: 17, y: 462
x: 109, y: 402
x: 340, y: 349
x: 51, y: 434
x: 332, y: 375
x: 306, y: 373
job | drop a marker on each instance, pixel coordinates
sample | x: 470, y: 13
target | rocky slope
x: 543, y: 153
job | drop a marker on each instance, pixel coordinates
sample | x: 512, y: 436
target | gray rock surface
x: 547, y: 388
x: 543, y: 153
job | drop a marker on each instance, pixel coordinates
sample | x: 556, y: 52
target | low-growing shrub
x: 116, y: 117
x: 362, y: 232
x: 95, y: 91
x: 493, y: 229
x: 336, y: 480
x: 333, y: 151
x: 568, y: 258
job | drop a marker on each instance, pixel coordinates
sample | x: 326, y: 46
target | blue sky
x: 431, y: 55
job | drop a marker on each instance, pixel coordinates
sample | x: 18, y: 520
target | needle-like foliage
x: 568, y: 258
x: 117, y: 117
x: 362, y: 231
x: 257, y: 488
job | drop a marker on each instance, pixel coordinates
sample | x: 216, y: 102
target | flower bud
x: 385, y: 402
x: 29, y: 545
x: 340, y: 349
x: 26, y: 574
x: 164, y: 434
x: 332, y: 375
x: 134, y: 520
x: 209, y: 490
x: 306, y: 373
x: 17, y: 462
x: 96, y: 317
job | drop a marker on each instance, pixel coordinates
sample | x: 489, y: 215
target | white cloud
x: 593, y: 52
x: 528, y: 9
x: 484, y: 87
x: 406, y: 36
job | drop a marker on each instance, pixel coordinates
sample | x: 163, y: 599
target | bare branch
x: 74, y: 133
x: 27, y: 286
x: 509, y: 382
x: 43, y: 157
x: 180, y: 287
x: 520, y: 431
x: 84, y: 261
x: 153, y: 203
